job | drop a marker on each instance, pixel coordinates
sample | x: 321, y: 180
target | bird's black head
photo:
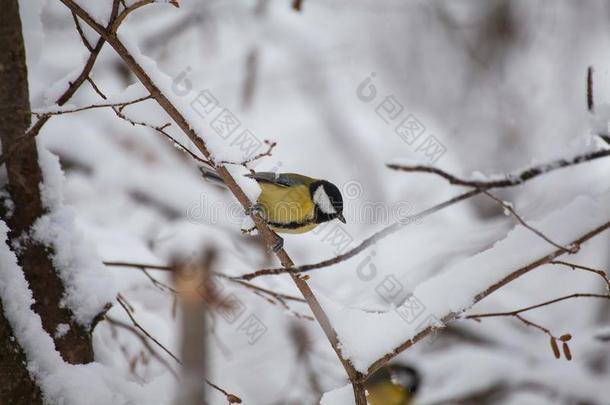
x: 406, y: 376
x: 328, y: 201
x: 403, y: 375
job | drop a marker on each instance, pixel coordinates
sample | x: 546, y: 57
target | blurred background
x: 484, y: 87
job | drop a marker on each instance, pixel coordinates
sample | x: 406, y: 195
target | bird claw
x: 256, y: 209
x: 278, y: 245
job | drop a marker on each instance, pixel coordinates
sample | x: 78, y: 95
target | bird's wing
x: 280, y: 179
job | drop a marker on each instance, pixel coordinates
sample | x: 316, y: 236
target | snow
x: 52, y: 92
x: 33, y: 34
x: 60, y: 383
x: 225, y: 136
x: 89, y: 287
x: 61, y: 330
x: 248, y: 185
x: 339, y: 396
x: 454, y: 290
x: 99, y: 10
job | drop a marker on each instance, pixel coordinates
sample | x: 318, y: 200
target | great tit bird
x: 392, y: 385
x: 293, y: 203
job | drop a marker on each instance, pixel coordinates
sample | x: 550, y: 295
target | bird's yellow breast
x: 387, y: 394
x: 287, y: 205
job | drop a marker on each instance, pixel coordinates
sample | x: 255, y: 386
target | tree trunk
x: 24, y: 178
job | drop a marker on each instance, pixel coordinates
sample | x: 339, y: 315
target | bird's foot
x: 278, y: 245
x: 256, y: 209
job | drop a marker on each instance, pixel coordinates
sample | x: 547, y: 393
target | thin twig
x: 280, y: 297
x: 93, y: 106
x: 96, y: 88
x: 135, y: 323
x: 270, y: 146
x: 121, y: 300
x: 81, y: 33
x: 590, y: 102
x: 509, y: 180
x: 506, y: 206
x: 159, y: 284
x: 517, y: 313
x: 536, y: 306
x: 161, y: 129
x: 126, y: 11
x: 144, y: 340
x: 601, y: 273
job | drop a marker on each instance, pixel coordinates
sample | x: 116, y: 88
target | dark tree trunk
x: 16, y: 385
x: 24, y: 178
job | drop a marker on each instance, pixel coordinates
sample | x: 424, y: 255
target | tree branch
x: 531, y: 307
x: 601, y: 273
x: 120, y: 105
x: 143, y: 267
x: 506, y: 206
x: 509, y: 180
x: 138, y: 330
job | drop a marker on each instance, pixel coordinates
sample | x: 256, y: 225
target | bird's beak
x: 341, y: 218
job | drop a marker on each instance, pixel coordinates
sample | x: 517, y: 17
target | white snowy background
x: 500, y: 83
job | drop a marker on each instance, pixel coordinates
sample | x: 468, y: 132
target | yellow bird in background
x: 392, y: 385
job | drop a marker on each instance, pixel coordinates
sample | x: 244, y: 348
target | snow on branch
x: 508, y: 180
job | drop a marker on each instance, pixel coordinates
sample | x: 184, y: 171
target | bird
x: 293, y: 203
x: 394, y: 384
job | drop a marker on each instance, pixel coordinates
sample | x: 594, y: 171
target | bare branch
x: 92, y: 106
x: 554, y: 340
x: 129, y: 311
x: 144, y: 340
x: 506, y: 206
x: 531, y: 307
x: 270, y: 295
x: 81, y: 33
x: 601, y: 273
x: 590, y: 102
x: 161, y: 129
x: 509, y: 180
x: 231, y: 398
x: 95, y: 88
x: 270, y: 146
x: 126, y: 11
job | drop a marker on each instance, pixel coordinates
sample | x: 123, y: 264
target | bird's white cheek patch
x: 322, y: 201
